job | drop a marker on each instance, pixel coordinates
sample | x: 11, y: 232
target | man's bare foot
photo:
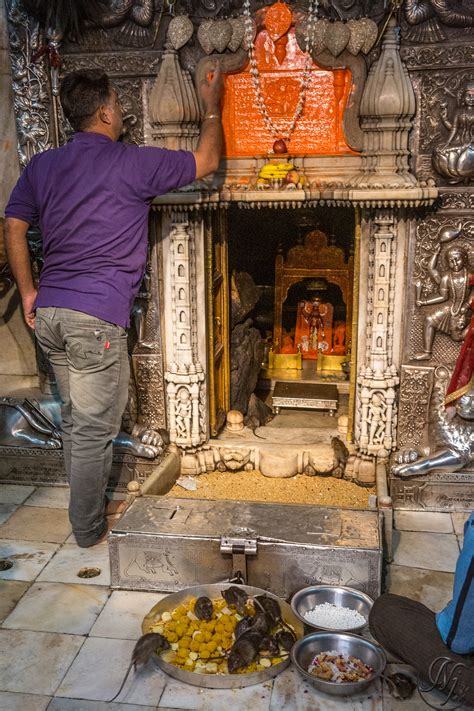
x: 113, y: 507
x: 111, y: 520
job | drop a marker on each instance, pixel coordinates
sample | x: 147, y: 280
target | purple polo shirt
x: 91, y: 200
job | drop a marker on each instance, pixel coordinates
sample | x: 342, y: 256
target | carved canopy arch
x: 315, y: 258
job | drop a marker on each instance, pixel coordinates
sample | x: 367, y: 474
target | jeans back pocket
x: 85, y: 347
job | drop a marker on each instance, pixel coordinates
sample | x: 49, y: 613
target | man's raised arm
x: 18, y: 256
x: 210, y: 144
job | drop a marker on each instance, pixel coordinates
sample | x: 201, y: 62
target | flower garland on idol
x: 281, y: 134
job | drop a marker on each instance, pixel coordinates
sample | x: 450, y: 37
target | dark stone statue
x: 246, y: 356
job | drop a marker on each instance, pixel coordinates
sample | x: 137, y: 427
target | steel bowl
x: 306, y: 599
x: 218, y: 681
x: 306, y: 649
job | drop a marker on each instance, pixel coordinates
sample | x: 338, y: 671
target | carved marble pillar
x: 184, y: 299
x: 376, y: 413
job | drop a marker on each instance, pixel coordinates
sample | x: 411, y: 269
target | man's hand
x: 27, y: 302
x: 211, y: 92
x: 18, y: 256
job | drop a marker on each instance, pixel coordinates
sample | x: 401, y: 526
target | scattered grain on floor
x: 300, y: 489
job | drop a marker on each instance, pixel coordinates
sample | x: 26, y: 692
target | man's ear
x: 104, y: 114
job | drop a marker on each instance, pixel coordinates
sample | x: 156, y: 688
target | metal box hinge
x: 239, y: 549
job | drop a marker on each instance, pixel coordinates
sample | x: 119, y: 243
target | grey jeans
x: 90, y: 362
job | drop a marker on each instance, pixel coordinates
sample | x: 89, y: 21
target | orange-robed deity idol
x: 313, y: 331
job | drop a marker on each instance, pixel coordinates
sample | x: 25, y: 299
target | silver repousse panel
x: 436, y: 492
x: 21, y: 465
x: 288, y: 523
x: 170, y: 544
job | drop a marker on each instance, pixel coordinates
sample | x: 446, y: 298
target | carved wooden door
x: 218, y: 319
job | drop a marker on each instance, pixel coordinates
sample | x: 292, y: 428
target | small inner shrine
x: 304, y: 279
x: 303, y: 309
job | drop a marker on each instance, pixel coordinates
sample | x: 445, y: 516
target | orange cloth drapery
x: 463, y: 375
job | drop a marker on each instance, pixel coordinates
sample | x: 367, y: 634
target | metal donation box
x: 168, y: 544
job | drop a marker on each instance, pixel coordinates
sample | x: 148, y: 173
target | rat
x: 145, y: 647
x: 400, y: 685
x: 253, y: 423
x: 203, y: 608
x: 341, y: 453
x: 237, y: 597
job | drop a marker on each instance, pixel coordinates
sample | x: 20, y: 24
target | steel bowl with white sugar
x: 332, y: 608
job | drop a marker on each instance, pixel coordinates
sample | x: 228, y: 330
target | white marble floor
x: 66, y: 641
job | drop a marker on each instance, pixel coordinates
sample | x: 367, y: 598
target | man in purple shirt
x: 91, y: 200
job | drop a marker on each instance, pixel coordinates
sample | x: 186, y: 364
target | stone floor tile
x: 51, y: 497
x: 112, y: 657
x: 23, y: 702
x: 250, y: 698
x: 10, y: 592
x: 82, y: 705
x: 434, y: 551
x: 123, y: 614
x: 68, y: 561
x: 28, y: 558
x: 58, y: 607
x: 35, y: 662
x: 6, y: 510
x: 433, y: 521
x: 293, y: 693
x: 14, y: 493
x: 459, y: 518
x: 32, y: 523
x: 431, y: 587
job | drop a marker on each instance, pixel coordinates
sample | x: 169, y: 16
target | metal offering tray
x: 218, y: 681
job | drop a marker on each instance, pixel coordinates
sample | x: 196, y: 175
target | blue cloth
x: 456, y: 621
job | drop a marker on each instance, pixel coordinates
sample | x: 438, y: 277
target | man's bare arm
x: 209, y: 148
x: 18, y: 256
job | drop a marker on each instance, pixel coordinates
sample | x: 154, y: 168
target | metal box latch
x: 239, y: 549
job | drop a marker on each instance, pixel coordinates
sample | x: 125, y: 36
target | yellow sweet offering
x: 202, y: 646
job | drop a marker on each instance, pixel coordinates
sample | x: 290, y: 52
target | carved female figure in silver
x: 455, y: 159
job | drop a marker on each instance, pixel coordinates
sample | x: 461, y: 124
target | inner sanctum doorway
x: 281, y: 302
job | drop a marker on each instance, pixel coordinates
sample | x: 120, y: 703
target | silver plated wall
x: 439, y: 55
x: 31, y: 85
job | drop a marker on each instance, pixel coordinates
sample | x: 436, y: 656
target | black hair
x: 82, y: 93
